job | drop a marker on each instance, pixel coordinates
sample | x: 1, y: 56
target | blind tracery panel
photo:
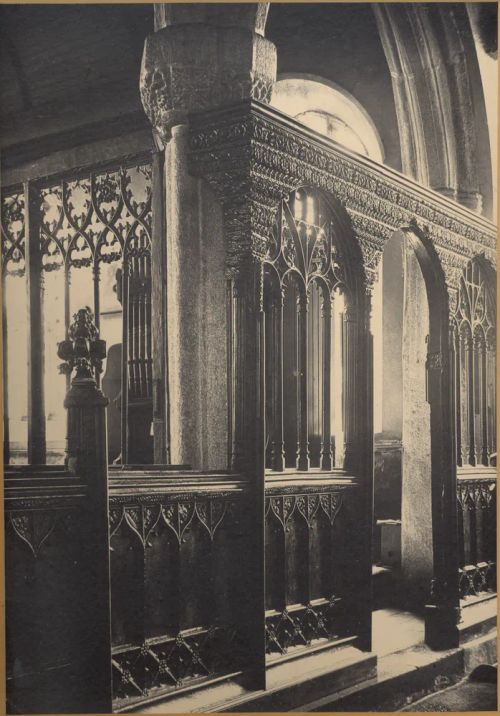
x: 474, y: 361
x: 15, y: 333
x: 304, y: 278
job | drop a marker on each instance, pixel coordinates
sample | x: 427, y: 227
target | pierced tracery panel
x: 95, y: 234
x: 306, y: 277
x: 15, y: 327
x: 474, y: 366
x: 306, y: 581
x: 175, y: 581
x: 94, y: 218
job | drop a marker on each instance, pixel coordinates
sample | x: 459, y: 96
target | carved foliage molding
x: 307, y: 505
x: 143, y: 520
x: 253, y: 157
x: 33, y: 528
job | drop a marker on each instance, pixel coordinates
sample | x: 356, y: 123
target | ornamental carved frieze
x: 266, y: 156
x: 143, y: 521
x: 35, y: 528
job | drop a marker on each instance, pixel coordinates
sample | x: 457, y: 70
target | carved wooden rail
x: 308, y: 537
x: 476, y: 492
x: 177, y: 555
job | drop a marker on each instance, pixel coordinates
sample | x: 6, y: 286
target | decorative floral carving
x: 253, y: 146
x: 34, y: 528
x: 84, y: 351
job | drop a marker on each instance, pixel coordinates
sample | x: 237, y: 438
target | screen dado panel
x: 311, y: 545
x: 178, y: 556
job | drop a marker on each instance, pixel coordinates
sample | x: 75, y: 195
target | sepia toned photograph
x: 248, y: 266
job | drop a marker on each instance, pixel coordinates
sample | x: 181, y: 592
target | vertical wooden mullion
x: 159, y: 311
x: 97, y: 307
x: 302, y: 411
x: 349, y: 390
x: 34, y: 286
x: 484, y: 406
x: 125, y: 363
x: 278, y: 434
x: 491, y: 375
x: 67, y: 310
x: 149, y: 349
x: 464, y: 399
x: 469, y: 353
x: 326, y: 446
x: 5, y: 394
x: 456, y: 396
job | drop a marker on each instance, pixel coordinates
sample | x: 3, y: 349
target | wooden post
x: 34, y: 287
x: 87, y: 459
x: 326, y: 448
x: 302, y: 412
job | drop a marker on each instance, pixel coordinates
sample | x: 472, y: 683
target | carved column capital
x: 196, y: 67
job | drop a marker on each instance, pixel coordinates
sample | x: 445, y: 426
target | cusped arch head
x: 347, y: 258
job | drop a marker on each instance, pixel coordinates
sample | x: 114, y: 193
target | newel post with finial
x: 86, y: 458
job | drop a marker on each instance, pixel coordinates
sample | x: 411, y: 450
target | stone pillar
x: 416, y: 507
x: 190, y: 67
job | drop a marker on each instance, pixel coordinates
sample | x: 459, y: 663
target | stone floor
x: 394, y: 629
x: 470, y: 694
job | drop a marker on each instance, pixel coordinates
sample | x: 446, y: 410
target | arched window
x: 305, y: 309
x: 474, y: 363
x: 330, y: 110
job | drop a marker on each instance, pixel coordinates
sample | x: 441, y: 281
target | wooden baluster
x: 302, y: 421
x: 326, y: 446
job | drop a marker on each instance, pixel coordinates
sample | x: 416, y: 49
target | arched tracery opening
x: 474, y: 360
x: 310, y: 295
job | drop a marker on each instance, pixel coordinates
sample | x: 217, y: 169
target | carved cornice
x: 253, y: 156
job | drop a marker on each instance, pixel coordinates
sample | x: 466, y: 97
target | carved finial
x: 84, y: 351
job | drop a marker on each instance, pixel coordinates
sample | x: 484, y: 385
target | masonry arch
x: 413, y: 453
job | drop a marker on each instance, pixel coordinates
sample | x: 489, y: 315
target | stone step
x: 407, y: 676
x: 289, y: 683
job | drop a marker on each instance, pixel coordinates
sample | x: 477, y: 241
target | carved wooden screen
x: 475, y: 360
x: 305, y: 283
x: 90, y: 236
x: 15, y: 338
